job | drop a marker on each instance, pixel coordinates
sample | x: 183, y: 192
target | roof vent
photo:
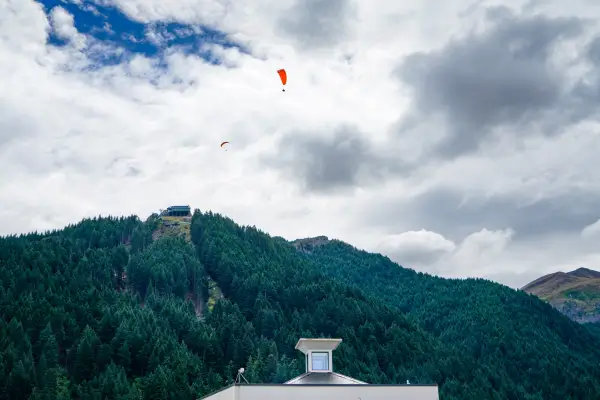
x: 318, y: 353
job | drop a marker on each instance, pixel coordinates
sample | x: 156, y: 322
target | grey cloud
x: 587, y: 90
x: 448, y: 213
x: 594, y: 51
x: 316, y: 24
x: 417, y: 258
x: 501, y: 77
x: 533, y: 5
x: 330, y: 164
x: 133, y: 171
x: 64, y: 158
x: 122, y: 166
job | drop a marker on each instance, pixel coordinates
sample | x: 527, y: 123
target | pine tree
x: 85, y: 359
x: 124, y: 356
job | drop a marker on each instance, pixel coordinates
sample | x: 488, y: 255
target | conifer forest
x: 104, y: 309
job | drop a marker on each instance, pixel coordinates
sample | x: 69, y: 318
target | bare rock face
x: 578, y: 312
x: 307, y: 245
x: 575, y: 294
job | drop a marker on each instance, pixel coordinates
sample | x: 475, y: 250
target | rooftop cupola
x: 318, y: 353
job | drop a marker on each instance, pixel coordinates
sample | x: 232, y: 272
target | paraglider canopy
x: 224, y: 143
x: 282, y: 76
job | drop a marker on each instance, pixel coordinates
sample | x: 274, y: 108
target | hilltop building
x: 177, y: 211
x: 320, y: 382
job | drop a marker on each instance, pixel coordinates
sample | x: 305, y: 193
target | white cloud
x: 591, y: 231
x: 25, y: 18
x: 79, y: 142
x: 416, y: 248
x: 429, y: 251
x: 478, y: 251
x: 64, y: 27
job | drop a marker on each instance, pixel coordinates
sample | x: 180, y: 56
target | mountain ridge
x: 107, y: 308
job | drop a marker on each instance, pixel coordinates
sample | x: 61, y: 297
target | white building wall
x: 342, y: 392
x: 225, y: 394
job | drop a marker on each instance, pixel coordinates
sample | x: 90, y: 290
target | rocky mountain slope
x: 108, y: 308
x: 575, y: 294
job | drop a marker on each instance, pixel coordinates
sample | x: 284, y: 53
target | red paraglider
x: 283, y: 77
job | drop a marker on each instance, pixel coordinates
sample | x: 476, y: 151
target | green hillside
x: 101, y: 310
x: 512, y: 339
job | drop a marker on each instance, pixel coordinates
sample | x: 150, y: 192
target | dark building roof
x: 178, y: 208
x: 328, y: 378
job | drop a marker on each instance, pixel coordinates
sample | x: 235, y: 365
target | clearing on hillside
x: 214, y: 294
x: 174, y: 227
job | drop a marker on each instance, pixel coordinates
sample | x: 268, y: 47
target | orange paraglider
x: 283, y: 77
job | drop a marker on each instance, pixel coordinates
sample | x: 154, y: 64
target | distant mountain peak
x: 583, y: 272
x: 554, y: 279
x: 576, y: 293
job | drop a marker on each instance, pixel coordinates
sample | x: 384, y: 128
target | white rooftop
x: 325, y: 392
x: 320, y: 382
x: 306, y: 345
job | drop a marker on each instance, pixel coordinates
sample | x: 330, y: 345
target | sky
x: 459, y: 138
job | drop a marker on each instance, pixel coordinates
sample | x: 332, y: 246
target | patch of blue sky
x: 118, y: 37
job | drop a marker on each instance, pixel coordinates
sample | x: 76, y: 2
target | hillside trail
x: 170, y: 226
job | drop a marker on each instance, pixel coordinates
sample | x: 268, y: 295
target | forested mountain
x: 508, y: 336
x: 575, y: 294
x: 102, y: 310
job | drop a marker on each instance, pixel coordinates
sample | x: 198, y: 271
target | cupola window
x: 320, y: 361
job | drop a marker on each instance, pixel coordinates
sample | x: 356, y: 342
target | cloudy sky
x: 459, y: 138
